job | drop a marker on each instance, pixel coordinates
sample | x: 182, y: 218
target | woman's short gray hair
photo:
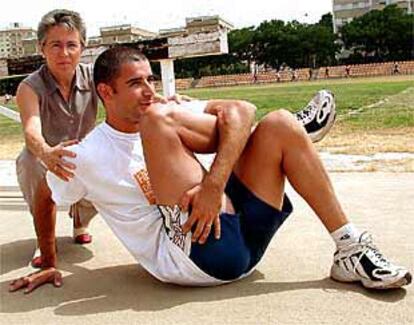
x: 61, y: 17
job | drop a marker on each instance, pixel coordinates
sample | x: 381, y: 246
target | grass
x: 369, y: 108
x: 9, y: 127
x: 350, y: 96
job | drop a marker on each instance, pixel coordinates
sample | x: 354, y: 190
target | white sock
x: 346, y: 235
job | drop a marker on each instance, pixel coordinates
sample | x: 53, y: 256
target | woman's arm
x: 28, y: 103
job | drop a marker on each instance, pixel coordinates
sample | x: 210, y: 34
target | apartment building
x: 125, y: 33
x: 3, y: 68
x: 346, y: 10
x: 12, y: 38
x: 30, y: 46
x: 199, y: 24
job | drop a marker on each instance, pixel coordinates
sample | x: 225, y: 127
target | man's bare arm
x: 234, y: 122
x: 199, y: 133
x: 229, y: 136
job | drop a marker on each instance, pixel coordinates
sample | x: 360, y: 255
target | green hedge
x: 8, y: 85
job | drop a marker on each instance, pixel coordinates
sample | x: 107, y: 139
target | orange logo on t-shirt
x: 143, y: 180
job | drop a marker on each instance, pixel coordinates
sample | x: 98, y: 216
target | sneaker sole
x: 318, y: 136
x: 403, y: 281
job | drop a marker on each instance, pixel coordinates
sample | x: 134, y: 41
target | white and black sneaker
x: 363, y: 262
x: 319, y: 115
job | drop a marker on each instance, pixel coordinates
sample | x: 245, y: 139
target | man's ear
x: 105, y: 91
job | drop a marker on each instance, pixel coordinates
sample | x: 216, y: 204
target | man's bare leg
x: 278, y: 148
x: 172, y: 168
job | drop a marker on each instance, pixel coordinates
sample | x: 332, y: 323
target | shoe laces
x: 308, y: 113
x: 365, y: 245
x: 366, y: 242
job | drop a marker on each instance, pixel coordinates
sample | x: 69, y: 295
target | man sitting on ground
x: 184, y: 224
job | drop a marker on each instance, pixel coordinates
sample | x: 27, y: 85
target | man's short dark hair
x: 108, y: 64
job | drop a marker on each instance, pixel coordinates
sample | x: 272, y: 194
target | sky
x: 154, y: 15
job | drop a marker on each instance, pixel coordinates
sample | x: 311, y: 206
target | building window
x: 350, y: 6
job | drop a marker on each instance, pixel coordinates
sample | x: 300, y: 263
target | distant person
x: 58, y: 107
x: 327, y: 72
x: 7, y: 99
x: 278, y: 76
x: 396, y: 69
x: 347, y: 71
x: 294, y: 74
x: 191, y: 227
x: 254, y: 77
x: 254, y: 69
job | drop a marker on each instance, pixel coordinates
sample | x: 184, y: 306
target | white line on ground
x: 10, y: 113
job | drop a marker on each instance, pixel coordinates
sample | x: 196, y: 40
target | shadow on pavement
x: 129, y: 287
x: 16, y: 255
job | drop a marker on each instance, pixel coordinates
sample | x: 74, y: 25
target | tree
x: 273, y: 43
x: 296, y: 44
x: 324, y: 43
x: 242, y: 44
x: 385, y: 35
x: 327, y: 21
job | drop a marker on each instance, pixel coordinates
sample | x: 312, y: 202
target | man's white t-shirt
x: 111, y: 173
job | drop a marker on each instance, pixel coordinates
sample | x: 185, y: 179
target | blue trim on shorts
x: 245, y: 235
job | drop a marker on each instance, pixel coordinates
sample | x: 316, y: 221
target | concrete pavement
x: 104, y: 285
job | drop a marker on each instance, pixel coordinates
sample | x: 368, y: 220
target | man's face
x: 133, y: 91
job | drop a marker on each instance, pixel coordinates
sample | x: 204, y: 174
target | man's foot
x: 363, y: 262
x: 319, y: 115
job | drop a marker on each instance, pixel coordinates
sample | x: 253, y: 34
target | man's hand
x: 53, y: 158
x: 176, y: 98
x: 205, y: 202
x: 180, y: 98
x: 37, y: 279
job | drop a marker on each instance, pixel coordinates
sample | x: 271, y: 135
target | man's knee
x: 282, y: 125
x: 159, y: 131
x: 155, y: 121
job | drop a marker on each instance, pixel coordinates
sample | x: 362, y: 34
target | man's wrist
x: 214, y: 183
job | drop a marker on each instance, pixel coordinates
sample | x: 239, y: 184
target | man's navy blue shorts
x: 245, y: 235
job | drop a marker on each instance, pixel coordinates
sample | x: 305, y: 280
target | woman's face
x: 62, y: 49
